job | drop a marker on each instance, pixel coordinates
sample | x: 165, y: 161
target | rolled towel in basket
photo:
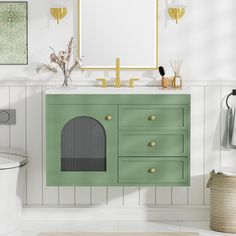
x: 230, y: 129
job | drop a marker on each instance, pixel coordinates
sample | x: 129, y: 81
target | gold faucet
x: 117, y: 83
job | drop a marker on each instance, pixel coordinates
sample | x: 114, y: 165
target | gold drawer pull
x: 152, y: 170
x: 152, y: 144
x: 109, y: 117
x: 152, y: 117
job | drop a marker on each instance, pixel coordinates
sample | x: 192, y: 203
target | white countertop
x: 112, y: 90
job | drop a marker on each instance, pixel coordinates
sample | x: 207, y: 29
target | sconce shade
x: 176, y: 13
x: 58, y: 13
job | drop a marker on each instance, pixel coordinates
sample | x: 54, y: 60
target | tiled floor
x: 32, y: 228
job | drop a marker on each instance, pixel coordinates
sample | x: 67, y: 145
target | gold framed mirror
x: 125, y: 29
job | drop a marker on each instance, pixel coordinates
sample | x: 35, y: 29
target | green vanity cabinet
x: 120, y: 139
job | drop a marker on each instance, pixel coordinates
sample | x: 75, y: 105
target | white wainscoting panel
x: 179, y: 195
x: 66, y: 195
x: 99, y: 196
x: 4, y: 104
x: 83, y: 195
x: 34, y: 145
x: 131, y: 196
x: 50, y: 194
x: 18, y: 131
x: 212, y: 135
x: 163, y: 195
x: 195, y: 191
x: 147, y: 196
x: 208, y: 117
x: 115, y: 196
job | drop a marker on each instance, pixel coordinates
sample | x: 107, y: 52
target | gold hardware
x: 58, y: 13
x: 152, y: 170
x: 152, y: 117
x: 176, y: 13
x: 117, y: 79
x: 152, y: 144
x: 109, y: 117
x: 131, y: 82
x: 104, y: 82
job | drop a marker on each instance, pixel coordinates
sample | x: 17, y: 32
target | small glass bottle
x: 177, y: 82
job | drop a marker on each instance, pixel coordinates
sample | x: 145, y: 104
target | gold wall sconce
x: 176, y: 13
x: 58, y: 13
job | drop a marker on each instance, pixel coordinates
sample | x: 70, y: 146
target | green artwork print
x: 13, y: 33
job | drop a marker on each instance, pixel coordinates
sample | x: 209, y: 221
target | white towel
x: 230, y: 129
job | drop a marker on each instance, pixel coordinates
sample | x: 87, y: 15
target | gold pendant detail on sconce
x: 58, y: 13
x: 176, y: 13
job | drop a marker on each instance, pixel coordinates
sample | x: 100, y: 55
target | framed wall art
x: 13, y: 33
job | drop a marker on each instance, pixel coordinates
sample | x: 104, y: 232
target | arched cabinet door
x: 81, y: 145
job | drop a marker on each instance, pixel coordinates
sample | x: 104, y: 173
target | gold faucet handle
x: 131, y: 82
x: 104, y: 82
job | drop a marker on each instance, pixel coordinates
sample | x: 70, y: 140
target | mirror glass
x: 125, y: 29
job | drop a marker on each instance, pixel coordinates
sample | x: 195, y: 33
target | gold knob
x: 152, y: 170
x: 109, y: 117
x: 152, y: 144
x: 152, y: 117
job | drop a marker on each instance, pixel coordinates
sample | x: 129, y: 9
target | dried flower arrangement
x: 62, y: 59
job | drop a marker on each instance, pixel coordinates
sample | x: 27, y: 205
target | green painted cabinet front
x: 57, y: 117
x: 153, y: 143
x: 151, y: 117
x: 152, y: 170
x: 146, y: 140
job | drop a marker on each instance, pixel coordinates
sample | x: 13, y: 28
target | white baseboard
x: 173, y: 213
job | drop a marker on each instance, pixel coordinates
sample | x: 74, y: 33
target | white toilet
x: 12, y: 179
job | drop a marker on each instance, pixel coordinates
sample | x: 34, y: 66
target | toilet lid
x: 10, y: 158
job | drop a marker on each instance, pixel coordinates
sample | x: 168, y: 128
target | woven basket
x: 223, y: 202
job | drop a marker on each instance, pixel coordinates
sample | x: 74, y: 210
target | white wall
x: 204, y: 39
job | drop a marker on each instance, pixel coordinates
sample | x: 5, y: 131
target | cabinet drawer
x: 153, y: 143
x: 140, y: 117
x: 150, y: 170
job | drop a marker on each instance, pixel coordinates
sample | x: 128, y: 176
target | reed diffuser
x: 176, y: 67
